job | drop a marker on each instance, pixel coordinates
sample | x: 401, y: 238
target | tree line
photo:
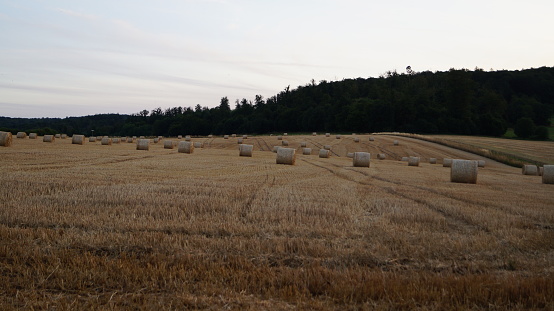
x: 458, y: 101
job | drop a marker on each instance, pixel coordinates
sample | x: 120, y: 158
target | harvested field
x: 90, y: 227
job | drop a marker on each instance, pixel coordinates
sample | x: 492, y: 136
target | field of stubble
x: 110, y: 227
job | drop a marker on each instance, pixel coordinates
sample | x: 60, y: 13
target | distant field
x: 110, y: 227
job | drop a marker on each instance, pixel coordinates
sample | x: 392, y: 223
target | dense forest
x: 460, y: 101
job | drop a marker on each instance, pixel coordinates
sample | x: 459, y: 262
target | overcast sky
x: 73, y: 58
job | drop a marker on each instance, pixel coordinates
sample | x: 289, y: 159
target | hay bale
x: 356, y: 140
x: 314, y: 134
x: 185, y: 147
x: 371, y: 139
x: 481, y: 163
x: 245, y: 150
x: 180, y: 137
x: 413, y: 161
x: 130, y: 140
x: 350, y: 155
x: 21, y: 135
x: 275, y: 148
x: 327, y: 134
x: 404, y: 159
x: 187, y: 138
x: 285, y: 142
x: 140, y: 137
x: 279, y: 137
x: 64, y: 136
x: 169, y: 144
x: 361, y: 159
x: 446, y: 162
x: 327, y: 147
x: 6, y: 139
x: 548, y: 174
x: 303, y: 144
x: 156, y: 140
x: 285, y: 134
x: 226, y: 137
x: 234, y: 135
x: 464, y: 171
x: 244, y: 136
x: 143, y: 144
x: 92, y: 139
x: 395, y: 142
x: 99, y: 138
x: 48, y: 138
x: 529, y: 169
x: 160, y: 137
x: 338, y: 137
x: 106, y: 141
x: 286, y: 156
x: 33, y: 135
x: 78, y: 139
x: 324, y: 153
x: 134, y: 138
x: 541, y: 171
x: 210, y: 136
x: 58, y: 136
x: 307, y: 151
x: 116, y: 140
x: 239, y: 141
x: 381, y: 156
x: 198, y: 145
x: 353, y: 134
x: 433, y: 160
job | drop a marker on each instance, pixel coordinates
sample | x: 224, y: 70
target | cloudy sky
x: 81, y: 57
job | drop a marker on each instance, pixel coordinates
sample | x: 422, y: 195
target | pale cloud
x: 89, y: 17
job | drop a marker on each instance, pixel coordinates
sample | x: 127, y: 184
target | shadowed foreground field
x: 101, y: 227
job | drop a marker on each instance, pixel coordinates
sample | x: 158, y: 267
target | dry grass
x: 115, y: 228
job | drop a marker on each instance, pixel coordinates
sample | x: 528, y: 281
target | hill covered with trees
x: 460, y: 101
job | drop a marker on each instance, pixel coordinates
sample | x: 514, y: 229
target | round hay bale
x: 404, y: 159
x: 180, y: 137
x: 64, y: 136
x: 92, y: 139
x: 187, y: 138
x: 99, y: 138
x: 279, y: 137
x: 78, y: 139
x: 285, y: 142
x: 307, y: 151
x: 481, y: 163
x: 245, y: 150
x: 286, y: 156
x: 529, y: 169
x: 6, y: 139
x: 169, y: 144
x: 124, y: 138
x: 198, y: 145
x: 134, y: 138
x: 48, y: 138
x: 140, y: 137
x: 464, y: 171
x: 361, y: 159
x: 446, y: 162
x: 185, y: 147
x: 234, y: 135
x: 395, y: 142
x: 433, y: 160
x: 353, y: 134
x: 285, y: 134
x: 21, y: 135
x: 156, y: 140
x: 143, y: 144
x: 275, y: 148
x: 381, y: 156
x: 371, y: 139
x: 413, y: 161
x: 244, y: 136
x: 226, y: 137
x: 338, y: 137
x: 356, y: 140
x: 106, y: 141
x: 33, y: 135
x: 116, y: 140
x: 160, y: 137
x: 541, y: 171
x: 303, y: 144
x: 324, y: 153
x: 239, y: 141
x: 350, y: 155
x: 314, y: 134
x: 548, y: 174
x: 58, y: 136
x: 327, y: 147
x: 327, y: 134
x: 210, y: 136
x: 130, y: 140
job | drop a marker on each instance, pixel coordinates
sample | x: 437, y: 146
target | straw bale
x: 307, y: 151
x: 413, y: 161
x: 58, y: 136
x: 78, y: 139
x: 6, y: 139
x: 481, y: 163
x: 156, y: 140
x: 143, y: 144
x: 548, y: 174
x: 48, y: 138
x: 286, y: 156
x: 106, y: 141
x: 464, y: 171
x: 21, y: 135
x: 64, y: 136
x: 371, y: 139
x: 33, y: 135
x: 446, y: 162
x: 285, y: 134
x: 187, y: 138
x: 245, y: 150
x: 356, y: 140
x: 327, y: 147
x: 226, y: 137
x: 92, y: 139
x: 245, y: 136
x: 433, y: 160
x: 116, y: 140
x: 381, y: 156
x: 239, y: 141
x: 275, y: 148
x: 198, y: 144
x: 185, y: 147
x: 169, y: 144
x: 279, y: 137
x: 314, y: 134
x: 210, y: 136
x: 327, y: 134
x: 338, y: 137
x: 303, y: 144
x: 234, y: 135
x: 180, y: 137
x: 324, y: 153
x: 350, y: 155
x: 285, y: 142
x: 529, y: 169
x: 404, y: 159
x: 395, y: 142
x: 361, y: 159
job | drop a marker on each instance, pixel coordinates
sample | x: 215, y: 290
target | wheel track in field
x: 385, y: 151
x: 321, y: 146
x: 257, y: 140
